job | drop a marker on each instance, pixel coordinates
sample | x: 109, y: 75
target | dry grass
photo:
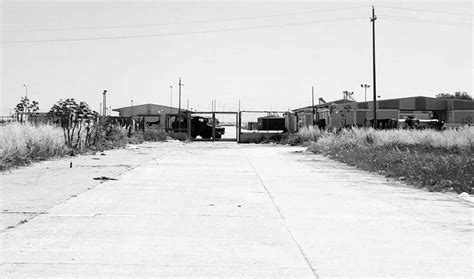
x: 23, y: 143
x: 426, y: 158
x: 305, y: 136
x: 428, y: 139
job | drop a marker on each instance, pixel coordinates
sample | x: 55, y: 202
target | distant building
x: 154, y: 115
x: 345, y: 112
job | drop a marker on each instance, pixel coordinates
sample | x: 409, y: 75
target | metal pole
x: 26, y: 96
x: 171, y: 98
x: 312, y: 101
x: 105, y: 102
x: 179, y: 107
x: 131, y: 109
x: 213, y: 135
x: 26, y: 90
x: 373, y: 66
x: 365, y: 86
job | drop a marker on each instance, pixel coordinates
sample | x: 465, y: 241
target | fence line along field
x: 437, y: 160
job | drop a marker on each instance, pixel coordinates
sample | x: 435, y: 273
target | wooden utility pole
x: 373, y: 66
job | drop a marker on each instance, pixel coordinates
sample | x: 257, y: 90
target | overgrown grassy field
x: 22, y: 143
x: 437, y: 160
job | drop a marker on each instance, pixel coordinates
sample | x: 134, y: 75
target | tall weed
x: 438, y: 160
x: 23, y: 143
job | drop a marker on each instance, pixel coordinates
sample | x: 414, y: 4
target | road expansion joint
x: 36, y: 214
x: 282, y: 217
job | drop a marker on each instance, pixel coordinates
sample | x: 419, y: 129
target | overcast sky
x: 267, y: 54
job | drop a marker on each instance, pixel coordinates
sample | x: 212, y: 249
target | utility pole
x: 312, y: 101
x: 365, y: 86
x: 179, y: 107
x: 171, y: 96
x: 187, y: 104
x: 373, y: 65
x: 105, y: 104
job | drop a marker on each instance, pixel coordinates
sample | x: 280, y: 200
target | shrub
x: 107, y: 136
x: 307, y: 134
x: 154, y: 135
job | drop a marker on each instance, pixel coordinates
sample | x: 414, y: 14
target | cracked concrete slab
x: 226, y: 210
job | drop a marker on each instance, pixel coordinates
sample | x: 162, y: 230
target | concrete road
x: 226, y: 210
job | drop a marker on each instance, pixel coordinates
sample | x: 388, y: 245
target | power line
x: 426, y: 11
x: 183, y: 23
x: 182, y: 33
x: 420, y: 20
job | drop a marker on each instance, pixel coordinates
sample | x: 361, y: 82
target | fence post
x: 213, y: 136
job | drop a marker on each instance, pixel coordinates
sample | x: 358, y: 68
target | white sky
x: 269, y: 68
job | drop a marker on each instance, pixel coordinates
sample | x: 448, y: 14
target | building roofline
x: 371, y: 101
x: 168, y: 107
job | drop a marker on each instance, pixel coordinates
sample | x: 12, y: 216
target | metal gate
x: 206, y: 126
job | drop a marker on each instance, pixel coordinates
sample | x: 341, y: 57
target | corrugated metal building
x: 154, y: 115
x: 348, y: 113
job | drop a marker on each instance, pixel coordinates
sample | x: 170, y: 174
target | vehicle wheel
x: 205, y: 135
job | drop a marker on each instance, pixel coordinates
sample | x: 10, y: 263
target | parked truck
x: 200, y: 126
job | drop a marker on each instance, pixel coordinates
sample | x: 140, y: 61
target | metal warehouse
x: 154, y: 115
x: 346, y: 112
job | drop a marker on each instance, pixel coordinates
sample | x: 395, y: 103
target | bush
x: 108, y: 137
x: 307, y: 134
x: 154, y: 135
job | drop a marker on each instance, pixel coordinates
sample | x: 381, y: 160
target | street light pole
x: 171, y: 99
x: 104, y: 113
x: 26, y: 96
x: 131, y: 109
x: 179, y: 107
x: 365, y: 86
x: 26, y: 90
